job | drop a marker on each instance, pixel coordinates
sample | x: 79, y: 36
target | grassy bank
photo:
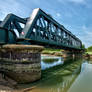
x: 89, y: 52
x: 56, y: 52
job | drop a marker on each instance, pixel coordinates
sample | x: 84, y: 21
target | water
x: 50, y: 61
x: 70, y: 77
x: 83, y: 82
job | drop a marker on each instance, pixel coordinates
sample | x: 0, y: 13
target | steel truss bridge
x: 40, y: 28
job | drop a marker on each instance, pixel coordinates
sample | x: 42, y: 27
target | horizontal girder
x: 41, y: 28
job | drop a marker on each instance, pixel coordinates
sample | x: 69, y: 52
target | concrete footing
x: 71, y: 54
x: 21, y: 62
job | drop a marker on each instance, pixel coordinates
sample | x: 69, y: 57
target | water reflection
x: 49, y: 61
x: 70, y: 77
x: 83, y: 83
x: 58, y: 78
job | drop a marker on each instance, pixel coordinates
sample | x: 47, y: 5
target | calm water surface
x: 50, y: 61
x: 70, y: 77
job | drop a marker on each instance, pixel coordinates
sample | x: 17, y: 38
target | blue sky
x: 75, y: 15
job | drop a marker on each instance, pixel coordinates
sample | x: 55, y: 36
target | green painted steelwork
x: 40, y: 28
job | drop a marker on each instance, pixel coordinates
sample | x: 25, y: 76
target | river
x: 59, y: 75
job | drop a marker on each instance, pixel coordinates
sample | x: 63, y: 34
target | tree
x: 89, y: 48
x: 83, y: 46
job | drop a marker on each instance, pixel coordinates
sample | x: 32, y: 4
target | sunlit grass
x: 50, y: 51
x: 89, y: 53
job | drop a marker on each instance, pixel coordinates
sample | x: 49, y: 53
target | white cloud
x: 19, y: 7
x: 73, y: 1
x: 86, y: 36
x: 84, y: 33
x: 10, y: 6
x: 77, y: 1
x: 84, y: 28
x: 58, y: 14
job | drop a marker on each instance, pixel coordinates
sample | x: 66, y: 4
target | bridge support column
x: 72, y: 54
x: 21, y: 63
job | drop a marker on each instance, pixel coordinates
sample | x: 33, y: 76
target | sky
x: 75, y: 15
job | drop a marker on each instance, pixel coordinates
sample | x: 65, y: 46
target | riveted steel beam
x: 40, y: 28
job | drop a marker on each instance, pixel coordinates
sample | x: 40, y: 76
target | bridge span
x: 40, y: 28
x: 21, y: 59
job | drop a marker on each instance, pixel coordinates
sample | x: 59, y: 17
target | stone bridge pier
x: 72, y: 54
x: 21, y: 62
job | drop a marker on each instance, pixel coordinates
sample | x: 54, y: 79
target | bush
x: 89, y: 48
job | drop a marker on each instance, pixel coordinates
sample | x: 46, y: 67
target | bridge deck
x: 39, y: 28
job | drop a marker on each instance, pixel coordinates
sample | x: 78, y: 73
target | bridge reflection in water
x: 50, y: 61
x: 83, y: 83
x: 71, y: 77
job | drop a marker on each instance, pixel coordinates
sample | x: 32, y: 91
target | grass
x: 90, y: 53
x: 57, y: 52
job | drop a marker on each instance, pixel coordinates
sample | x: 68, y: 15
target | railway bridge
x: 40, y: 29
x: 20, y: 59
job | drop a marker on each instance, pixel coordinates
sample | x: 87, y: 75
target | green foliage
x: 89, y: 52
x: 89, y: 49
x: 83, y: 46
x: 57, y: 52
x: 50, y: 49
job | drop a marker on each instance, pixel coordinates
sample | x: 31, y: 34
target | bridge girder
x: 41, y: 28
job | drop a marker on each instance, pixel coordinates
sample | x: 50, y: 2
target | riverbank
x: 7, y: 85
x: 52, y: 52
x: 88, y: 55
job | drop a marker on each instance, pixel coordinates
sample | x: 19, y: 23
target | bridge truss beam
x: 39, y: 28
